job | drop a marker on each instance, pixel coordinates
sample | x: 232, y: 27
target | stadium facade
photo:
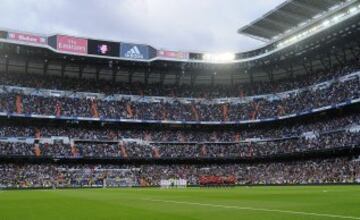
x: 83, y: 112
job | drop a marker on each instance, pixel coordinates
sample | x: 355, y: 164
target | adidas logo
x: 134, y: 53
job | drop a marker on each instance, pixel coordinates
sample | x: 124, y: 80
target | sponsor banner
x: 134, y: 51
x: 71, y: 44
x: 29, y: 38
x: 3, y: 34
x: 196, y: 56
x: 173, y: 183
x: 173, y: 54
x: 104, y: 48
x: 152, y: 52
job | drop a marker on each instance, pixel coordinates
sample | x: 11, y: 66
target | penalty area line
x: 254, y: 209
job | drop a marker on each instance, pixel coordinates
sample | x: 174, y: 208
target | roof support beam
x: 162, y: 77
x: 313, y: 9
x: 81, y: 70
x: 295, y: 17
x: 7, y: 61
x: 355, y: 52
x: 308, y: 65
x: 178, y: 77
x: 340, y: 57
x: 27, y: 66
x: 193, y: 77
x: 326, y: 61
x: 264, y: 32
x: 98, y: 70
x: 45, y: 67
x: 232, y: 74
x: 212, y: 80
x: 147, y: 75
x: 289, y: 69
x: 62, y: 70
x: 251, y: 76
x: 130, y: 76
x: 282, y: 25
x: 115, y: 70
x: 269, y: 70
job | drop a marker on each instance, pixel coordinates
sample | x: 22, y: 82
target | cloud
x: 201, y: 25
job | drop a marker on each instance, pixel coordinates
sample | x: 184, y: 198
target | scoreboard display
x: 103, y: 48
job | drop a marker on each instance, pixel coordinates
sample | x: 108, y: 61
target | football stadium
x: 94, y: 129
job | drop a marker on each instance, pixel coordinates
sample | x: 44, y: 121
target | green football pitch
x: 313, y: 202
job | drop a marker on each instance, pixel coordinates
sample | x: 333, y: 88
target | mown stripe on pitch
x: 255, y: 209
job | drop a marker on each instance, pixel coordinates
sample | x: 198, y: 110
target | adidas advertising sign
x: 134, y: 51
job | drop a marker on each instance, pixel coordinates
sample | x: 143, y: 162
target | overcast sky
x: 190, y: 25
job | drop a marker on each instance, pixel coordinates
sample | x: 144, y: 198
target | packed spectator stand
x: 26, y: 95
x: 331, y: 171
x: 327, y: 94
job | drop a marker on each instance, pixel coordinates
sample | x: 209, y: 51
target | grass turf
x: 312, y: 202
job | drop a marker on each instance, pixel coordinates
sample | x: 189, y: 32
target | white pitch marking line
x: 255, y: 209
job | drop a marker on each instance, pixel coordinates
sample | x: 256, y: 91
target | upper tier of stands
x: 44, y: 103
x: 180, y: 91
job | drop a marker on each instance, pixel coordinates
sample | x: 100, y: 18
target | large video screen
x: 103, y: 48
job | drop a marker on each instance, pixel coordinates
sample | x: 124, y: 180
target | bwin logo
x: 134, y: 53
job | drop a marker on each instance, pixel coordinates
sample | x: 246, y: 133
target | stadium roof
x: 286, y: 16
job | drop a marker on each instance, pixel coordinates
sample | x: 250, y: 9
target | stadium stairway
x: 237, y: 137
x: 255, y: 112
x: 280, y: 110
x: 19, y: 105
x: 226, y: 112
x: 155, y: 152
x: 195, y: 112
x: 164, y: 114
x: 94, y: 109
x: 58, y: 109
x: 74, y: 150
x: 37, y: 150
x: 123, y: 152
x: 129, y: 111
x: 203, y: 151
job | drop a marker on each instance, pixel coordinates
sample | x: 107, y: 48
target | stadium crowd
x: 109, y: 87
x: 330, y: 171
x: 285, y: 130
x: 176, y: 111
x: 109, y: 143
x: 132, y: 150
